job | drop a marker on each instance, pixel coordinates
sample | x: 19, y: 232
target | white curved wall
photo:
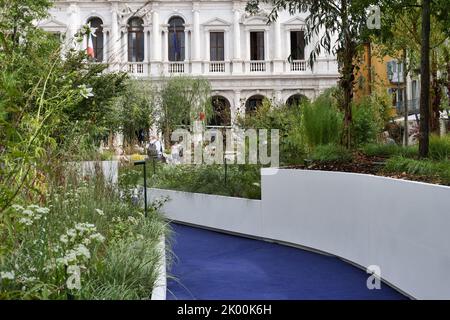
x: 401, y: 226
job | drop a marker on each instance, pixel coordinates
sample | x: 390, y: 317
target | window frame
x: 216, y: 46
x: 136, y: 41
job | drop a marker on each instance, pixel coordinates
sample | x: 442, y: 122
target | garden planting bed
x: 363, y: 164
x: 400, y: 226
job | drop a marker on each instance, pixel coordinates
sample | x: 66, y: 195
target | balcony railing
x: 217, y: 67
x: 136, y: 68
x: 258, y: 66
x: 176, y: 67
x: 298, y: 66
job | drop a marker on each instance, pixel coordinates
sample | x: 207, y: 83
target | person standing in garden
x: 154, y: 148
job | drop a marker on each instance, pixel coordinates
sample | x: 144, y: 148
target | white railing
x: 136, y: 68
x: 217, y: 67
x: 298, y: 66
x: 258, y: 66
x: 176, y: 67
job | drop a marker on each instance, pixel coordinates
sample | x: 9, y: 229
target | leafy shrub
x: 440, y: 147
x: 331, y: 153
x: 287, y: 120
x: 82, y: 228
x: 242, y: 180
x: 367, y: 122
x: 321, y: 121
x: 389, y: 150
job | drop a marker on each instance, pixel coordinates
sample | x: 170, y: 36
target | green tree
x: 182, y: 99
x: 48, y: 104
x: 344, y: 19
x: 134, y: 110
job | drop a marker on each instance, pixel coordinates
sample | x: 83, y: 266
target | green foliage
x: 438, y: 170
x: 83, y: 225
x: 243, y: 181
x: 321, y: 121
x: 51, y: 108
x: 440, y: 147
x: 134, y: 109
x: 367, y: 121
x: 331, y: 153
x: 389, y: 150
x: 287, y: 120
x: 182, y: 99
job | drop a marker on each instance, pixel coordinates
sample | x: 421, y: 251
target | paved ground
x: 210, y: 265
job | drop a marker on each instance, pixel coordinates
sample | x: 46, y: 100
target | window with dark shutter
x: 297, y: 45
x: 257, y: 46
x: 217, y: 46
x: 136, y: 40
x: 176, y: 39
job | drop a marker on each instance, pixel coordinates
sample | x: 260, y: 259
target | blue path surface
x: 211, y: 265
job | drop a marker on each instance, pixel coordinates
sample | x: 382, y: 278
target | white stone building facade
x: 242, y: 56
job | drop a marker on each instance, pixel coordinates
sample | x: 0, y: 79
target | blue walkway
x: 210, y: 266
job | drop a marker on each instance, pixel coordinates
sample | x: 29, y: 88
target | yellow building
x: 380, y: 73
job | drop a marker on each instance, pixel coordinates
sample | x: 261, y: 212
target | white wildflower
x: 28, y: 212
x: 10, y: 275
x: 18, y: 207
x: 100, y: 212
x: 64, y: 239
x: 26, y: 221
x: 42, y: 210
x: 83, y: 251
x: 97, y: 237
x: 85, y: 91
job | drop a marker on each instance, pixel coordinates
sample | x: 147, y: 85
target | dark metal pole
x: 145, y: 189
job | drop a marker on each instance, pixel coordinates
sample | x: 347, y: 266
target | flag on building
x: 90, y: 47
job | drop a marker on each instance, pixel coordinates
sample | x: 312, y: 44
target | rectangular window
x: 135, y: 46
x: 297, y: 45
x: 176, y: 45
x: 257, y: 46
x: 216, y: 44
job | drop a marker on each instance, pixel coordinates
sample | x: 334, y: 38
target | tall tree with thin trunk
x: 425, y: 81
x: 342, y: 20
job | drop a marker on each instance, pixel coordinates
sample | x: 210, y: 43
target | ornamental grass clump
x: 83, y: 242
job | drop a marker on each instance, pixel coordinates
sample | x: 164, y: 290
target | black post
x: 144, y: 163
x: 226, y: 171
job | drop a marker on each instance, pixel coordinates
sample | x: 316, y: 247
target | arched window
x: 253, y: 103
x: 176, y: 39
x: 296, y: 100
x: 136, y: 40
x: 97, y: 40
x: 221, y: 112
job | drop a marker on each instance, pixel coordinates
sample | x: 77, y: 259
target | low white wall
x: 401, y: 226
x: 160, y: 290
x: 225, y: 213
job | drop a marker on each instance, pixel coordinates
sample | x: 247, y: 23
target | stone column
x: 166, y: 45
x: 146, y: 44
x: 73, y: 25
x: 237, y: 110
x: 278, y: 59
x: 156, y: 34
x: 237, y: 59
x: 114, y: 55
x: 106, y: 35
x: 195, y: 37
x: 187, y: 51
x: 156, y: 65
